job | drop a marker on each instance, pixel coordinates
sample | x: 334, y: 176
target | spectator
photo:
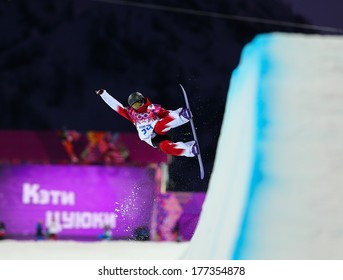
x: 39, y: 231
x: 53, y: 229
x: 2, y: 230
x: 141, y: 234
x: 177, y: 232
x: 107, y: 234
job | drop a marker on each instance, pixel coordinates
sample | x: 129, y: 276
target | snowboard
x: 201, y: 165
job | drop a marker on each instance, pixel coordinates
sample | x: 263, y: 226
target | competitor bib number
x: 145, y: 128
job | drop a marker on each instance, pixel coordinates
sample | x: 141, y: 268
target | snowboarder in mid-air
x: 154, y: 122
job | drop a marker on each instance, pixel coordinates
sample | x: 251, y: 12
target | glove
x: 99, y: 91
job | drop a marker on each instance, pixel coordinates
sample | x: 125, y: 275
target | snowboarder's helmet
x: 135, y: 97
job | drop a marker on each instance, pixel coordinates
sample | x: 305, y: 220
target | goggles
x: 137, y: 104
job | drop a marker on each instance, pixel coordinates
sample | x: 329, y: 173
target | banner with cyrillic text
x: 82, y: 200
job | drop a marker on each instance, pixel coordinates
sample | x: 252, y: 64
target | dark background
x: 54, y: 54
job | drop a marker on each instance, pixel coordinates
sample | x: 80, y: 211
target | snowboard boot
x: 186, y: 113
x: 195, y: 149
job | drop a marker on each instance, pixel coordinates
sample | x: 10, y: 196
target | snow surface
x: 99, y: 250
x: 276, y: 187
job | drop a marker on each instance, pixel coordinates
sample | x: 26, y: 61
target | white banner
x: 171, y: 269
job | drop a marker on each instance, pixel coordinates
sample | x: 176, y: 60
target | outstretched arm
x: 113, y: 103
